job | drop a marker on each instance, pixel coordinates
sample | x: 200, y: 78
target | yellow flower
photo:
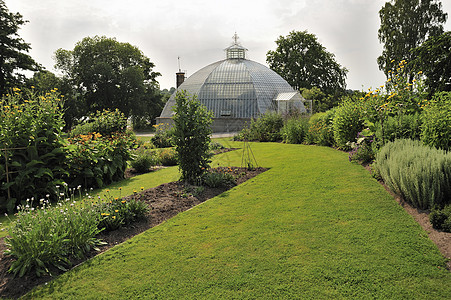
x: 114, y: 217
x: 142, y: 188
x: 123, y: 201
x: 116, y: 210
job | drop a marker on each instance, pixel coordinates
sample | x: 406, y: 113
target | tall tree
x: 405, y: 25
x: 302, y: 61
x: 110, y: 74
x: 433, y: 58
x: 13, y: 50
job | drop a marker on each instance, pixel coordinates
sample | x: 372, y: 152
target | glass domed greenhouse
x: 236, y: 90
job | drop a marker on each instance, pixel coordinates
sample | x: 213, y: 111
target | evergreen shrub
x: 420, y: 174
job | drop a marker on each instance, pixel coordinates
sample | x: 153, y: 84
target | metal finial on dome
x: 236, y: 51
x: 235, y: 38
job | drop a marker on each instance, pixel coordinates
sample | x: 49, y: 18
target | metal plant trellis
x: 248, y: 158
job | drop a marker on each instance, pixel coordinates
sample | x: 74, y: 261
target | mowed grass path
x: 312, y: 227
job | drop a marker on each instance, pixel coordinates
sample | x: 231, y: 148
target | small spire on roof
x: 235, y: 38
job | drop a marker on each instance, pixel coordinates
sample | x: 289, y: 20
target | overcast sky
x: 199, y: 30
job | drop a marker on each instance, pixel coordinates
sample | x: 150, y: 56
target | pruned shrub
x: 347, y: 123
x: 420, y: 174
x: 294, y: 130
x: 320, y: 128
x: 436, y: 129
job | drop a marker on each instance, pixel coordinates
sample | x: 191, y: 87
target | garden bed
x: 165, y: 201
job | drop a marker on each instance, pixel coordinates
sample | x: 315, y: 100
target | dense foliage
x: 433, y: 58
x: 104, y: 122
x: 302, y: 61
x: 436, y: 129
x: 30, y: 131
x: 108, y: 74
x: 399, y: 37
x: 347, y: 123
x: 420, y: 174
x: 191, y: 136
x: 13, y: 50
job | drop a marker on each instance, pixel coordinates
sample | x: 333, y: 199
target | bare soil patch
x: 165, y: 201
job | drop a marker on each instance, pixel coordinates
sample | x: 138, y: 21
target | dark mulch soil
x: 165, y: 201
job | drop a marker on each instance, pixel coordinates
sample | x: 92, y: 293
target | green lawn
x: 312, y: 227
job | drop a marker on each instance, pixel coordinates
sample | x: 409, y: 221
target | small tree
x: 192, y: 132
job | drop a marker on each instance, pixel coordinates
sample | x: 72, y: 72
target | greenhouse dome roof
x: 237, y: 87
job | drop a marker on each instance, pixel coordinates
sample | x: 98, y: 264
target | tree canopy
x: 13, y: 50
x: 433, y: 58
x: 302, y: 61
x: 109, y: 74
x: 405, y: 25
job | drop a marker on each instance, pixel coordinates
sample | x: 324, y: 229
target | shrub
x: 94, y: 160
x: 441, y: 218
x: 31, y: 129
x: 362, y: 150
x: 436, y: 129
x: 143, y: 159
x: 104, y: 122
x: 192, y: 131
x: 215, y: 179
x: 320, y: 128
x: 266, y: 128
x: 294, y: 130
x: 420, y: 174
x: 163, y: 136
x: 167, y: 157
x: 402, y: 126
x: 347, y: 123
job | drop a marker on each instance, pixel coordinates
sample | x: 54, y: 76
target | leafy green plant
x: 118, y: 212
x: 167, y: 157
x: 320, y: 129
x: 47, y: 236
x: 347, y: 123
x: 420, y: 174
x: 104, y: 122
x: 143, y: 159
x: 436, y: 129
x: 441, y: 218
x: 294, y: 130
x: 266, y: 128
x: 163, y: 136
x: 95, y: 160
x: 362, y: 150
x: 31, y: 146
x: 192, y: 131
x: 215, y: 179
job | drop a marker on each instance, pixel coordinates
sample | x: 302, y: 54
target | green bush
x: 420, y: 174
x: 402, y: 126
x: 94, y: 160
x: 192, y: 131
x: 163, y: 136
x: 347, y: 123
x: 105, y: 122
x: 167, y: 157
x: 436, y: 129
x: 441, y: 218
x: 294, y: 130
x: 215, y: 179
x: 143, y: 159
x: 31, y: 129
x: 266, y: 128
x: 320, y: 128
